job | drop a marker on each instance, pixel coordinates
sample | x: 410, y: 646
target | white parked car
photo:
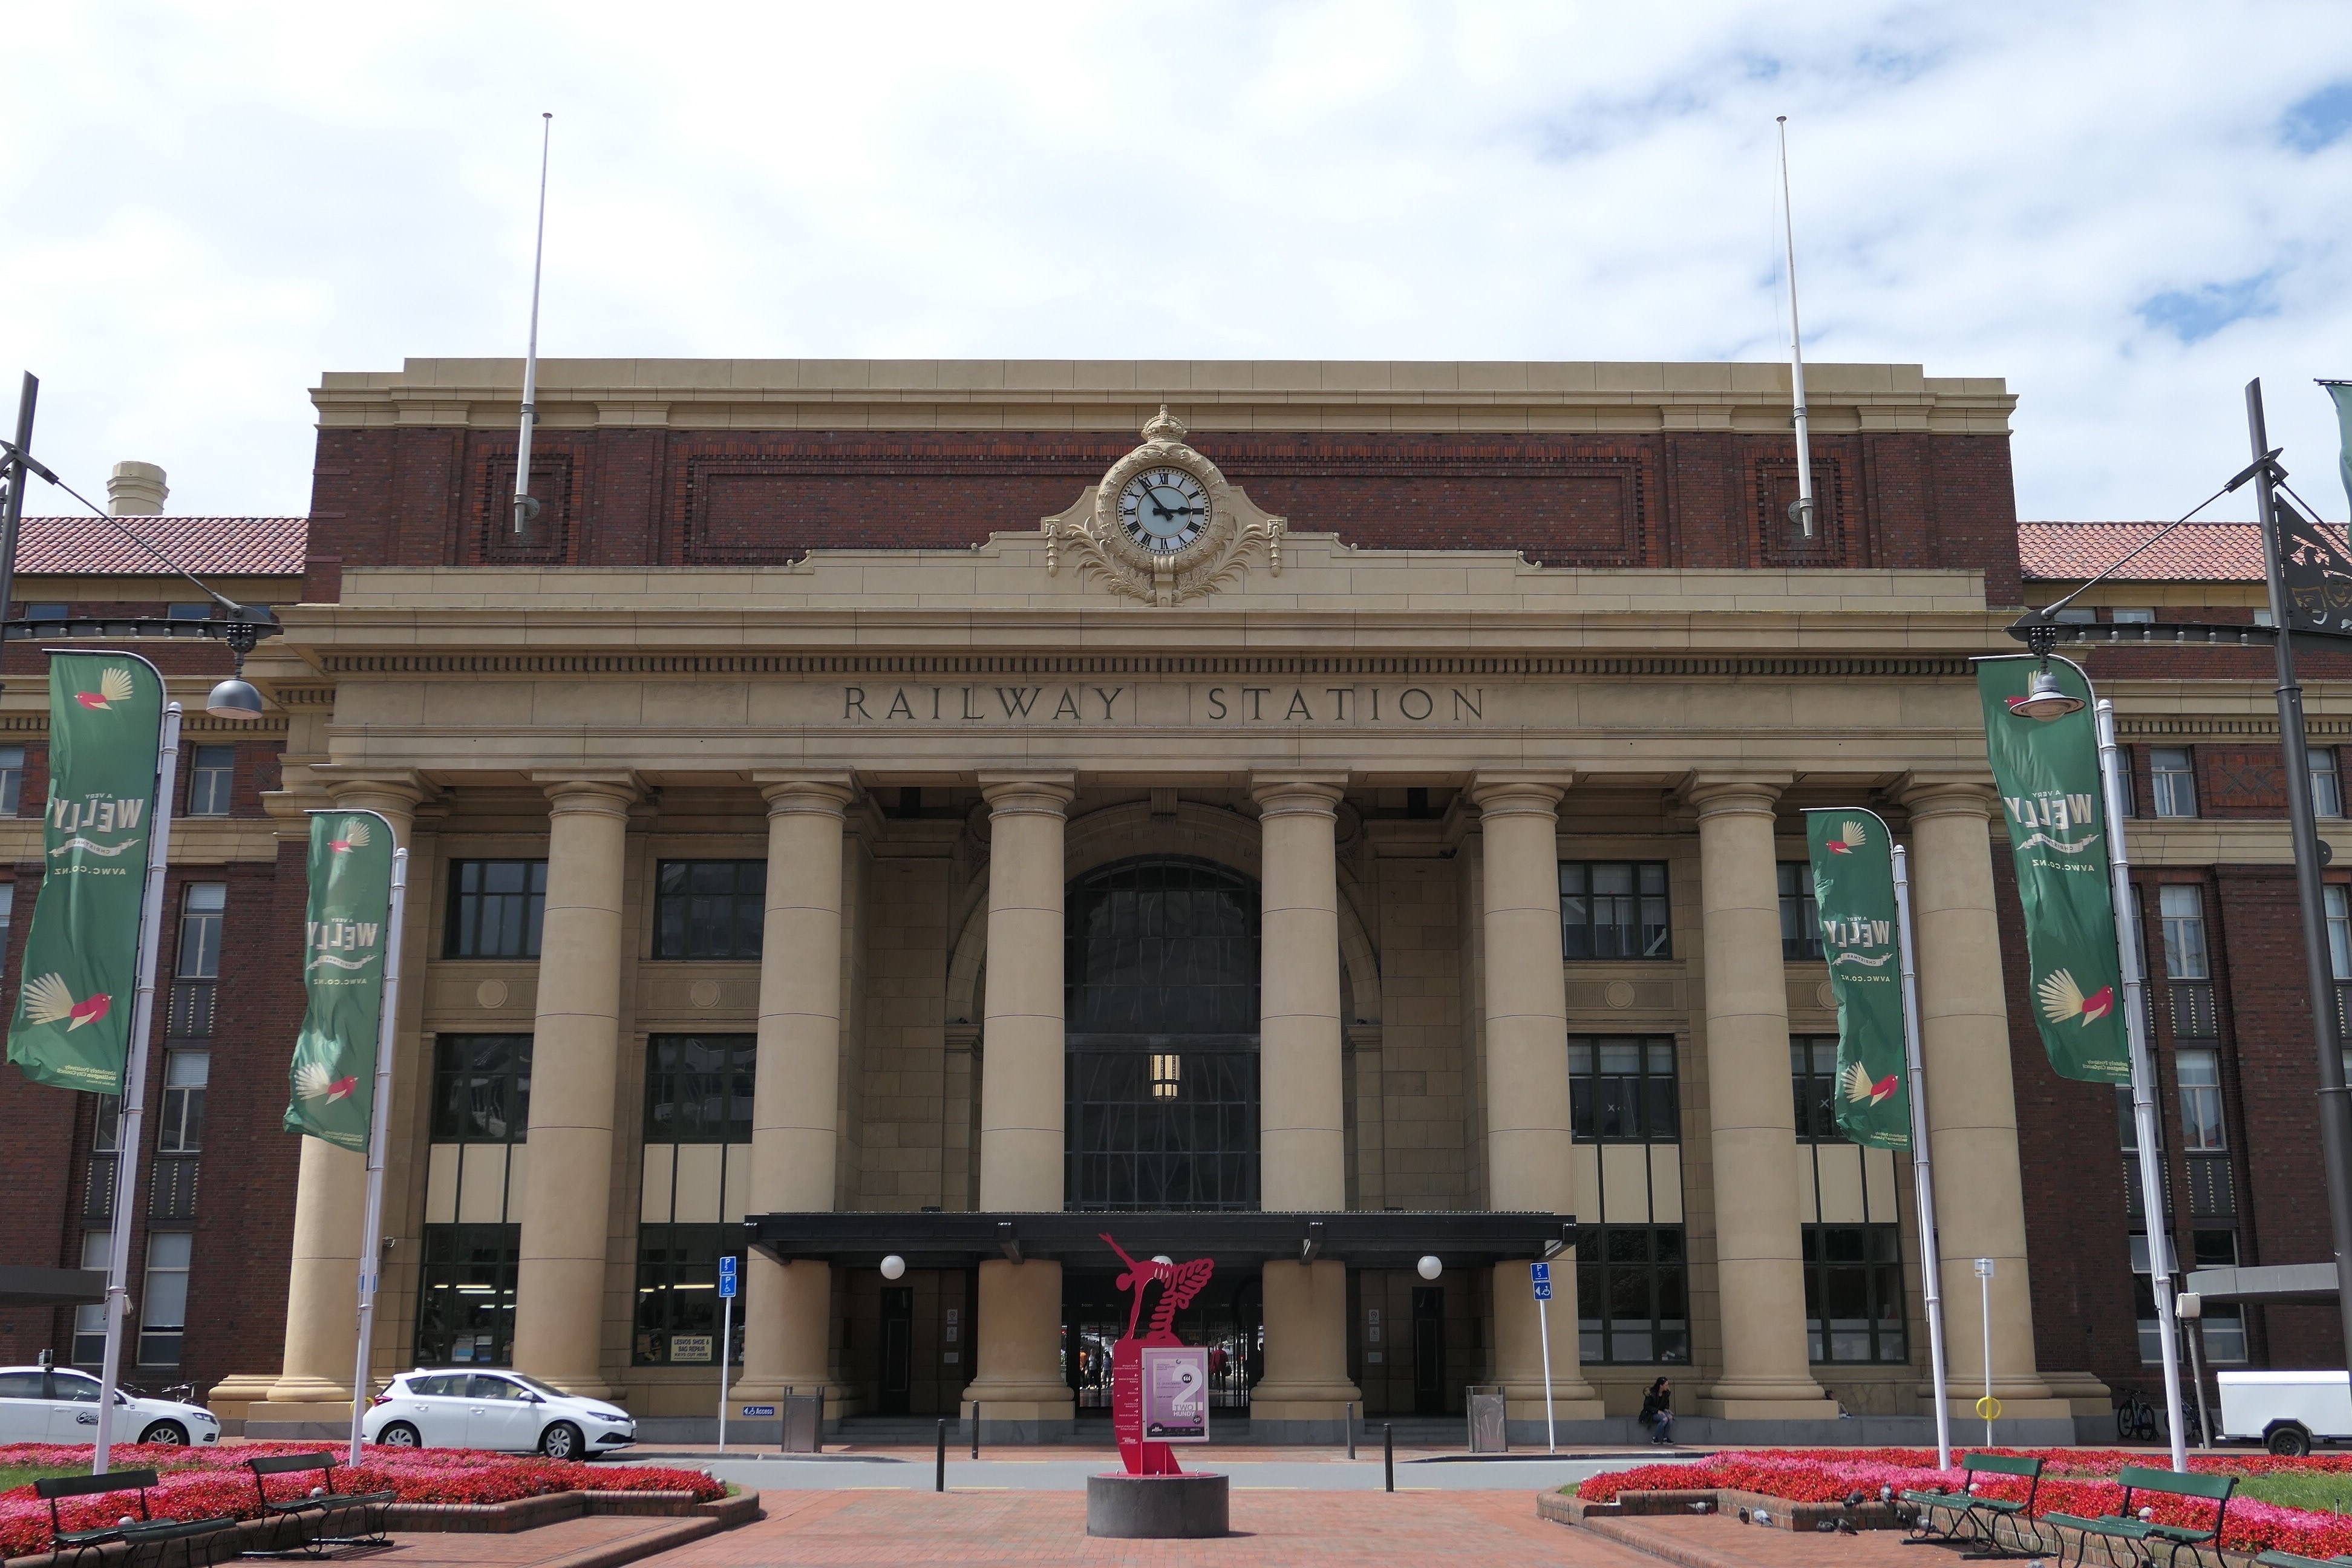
x: 60, y: 1406
x: 509, y: 1411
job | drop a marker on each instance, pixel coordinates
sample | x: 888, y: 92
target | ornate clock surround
x: 1235, y: 528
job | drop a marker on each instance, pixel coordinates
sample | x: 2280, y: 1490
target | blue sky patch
x: 2319, y: 119
x: 2192, y: 315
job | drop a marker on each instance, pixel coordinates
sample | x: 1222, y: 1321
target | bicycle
x: 2134, y: 1416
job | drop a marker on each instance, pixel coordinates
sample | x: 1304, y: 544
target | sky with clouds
x: 2125, y: 210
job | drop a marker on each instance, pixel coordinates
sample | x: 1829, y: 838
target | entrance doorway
x: 1228, y: 1318
x: 1429, y: 1350
x: 897, y: 1349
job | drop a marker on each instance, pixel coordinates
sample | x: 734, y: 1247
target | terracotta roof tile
x: 2193, y: 552
x: 231, y: 546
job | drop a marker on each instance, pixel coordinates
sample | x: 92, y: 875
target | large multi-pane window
x: 466, y: 1299
x: 2182, y: 910
x: 2172, y: 777
x: 211, y: 771
x: 677, y: 1311
x: 203, y: 906
x: 710, y: 909
x: 163, y: 1307
x: 2198, y: 1071
x: 1854, y: 1293
x: 1812, y: 1079
x: 12, y: 780
x: 1613, y: 908
x: 1160, y: 971
x: 1632, y: 1294
x: 90, y: 1319
x: 2337, y: 899
x: 2326, y: 788
x: 481, y: 1088
x: 1801, y: 916
x: 2222, y: 1324
x: 698, y: 1087
x: 185, y: 1074
x: 496, y: 907
x: 1622, y: 1091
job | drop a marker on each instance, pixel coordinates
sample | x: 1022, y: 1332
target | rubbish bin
x: 803, y: 1423
x: 1489, y: 1418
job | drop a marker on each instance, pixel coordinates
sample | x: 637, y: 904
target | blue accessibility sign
x: 726, y: 1278
x: 752, y: 1410
x: 1541, y: 1274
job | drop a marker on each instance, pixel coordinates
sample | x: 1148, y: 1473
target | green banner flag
x: 2048, y: 774
x: 72, y: 1026
x: 345, y: 928
x: 2341, y: 391
x: 1853, y: 883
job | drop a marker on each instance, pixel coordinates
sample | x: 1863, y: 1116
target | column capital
x: 1927, y: 794
x: 1292, y: 795
x: 611, y: 794
x: 1028, y: 794
x: 820, y: 796
x: 397, y: 798
x: 1518, y: 795
x: 1714, y: 795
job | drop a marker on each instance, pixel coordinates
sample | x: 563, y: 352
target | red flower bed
x: 2074, y: 1481
x: 205, y: 1483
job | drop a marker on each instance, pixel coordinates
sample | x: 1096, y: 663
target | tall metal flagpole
x: 17, y: 473
x: 2335, y: 1110
x: 1802, y: 512
x: 2143, y: 1084
x: 526, y: 510
x: 379, y: 1124
x: 1923, y: 1165
x: 130, y: 1128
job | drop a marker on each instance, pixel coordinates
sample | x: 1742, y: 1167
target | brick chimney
x: 136, y: 490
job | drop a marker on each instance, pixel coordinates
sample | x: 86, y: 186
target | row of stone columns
x: 796, y: 1136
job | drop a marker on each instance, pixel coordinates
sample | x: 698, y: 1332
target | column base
x: 299, y: 1421
x: 228, y: 1398
x: 1795, y: 1409
x: 1524, y: 1401
x: 1017, y: 1420
x: 308, y: 1390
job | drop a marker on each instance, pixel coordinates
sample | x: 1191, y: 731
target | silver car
x: 507, y: 1411
x: 58, y: 1404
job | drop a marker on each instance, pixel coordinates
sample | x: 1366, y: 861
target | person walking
x: 1658, y: 1411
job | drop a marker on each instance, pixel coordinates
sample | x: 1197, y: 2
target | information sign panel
x: 1175, y: 1394
x: 1541, y: 1274
x: 690, y: 1347
x: 726, y: 1278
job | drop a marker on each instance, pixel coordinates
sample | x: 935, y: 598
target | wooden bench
x: 2125, y: 1524
x: 308, y: 1515
x: 1978, y: 1518
x: 148, y: 1532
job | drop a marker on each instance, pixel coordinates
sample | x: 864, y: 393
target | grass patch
x: 15, y: 1476
x: 2325, y: 1491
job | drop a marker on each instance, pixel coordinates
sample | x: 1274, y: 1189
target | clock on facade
x: 1163, y: 508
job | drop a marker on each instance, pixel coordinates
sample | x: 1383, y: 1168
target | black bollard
x: 1351, y: 1431
x: 975, y: 1428
x: 1388, y: 1454
x: 939, y: 1476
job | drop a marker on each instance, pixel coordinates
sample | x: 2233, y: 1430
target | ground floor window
x: 89, y: 1320
x: 466, y: 1306
x: 677, y: 1316
x: 163, y: 1310
x: 1854, y: 1293
x: 1632, y: 1294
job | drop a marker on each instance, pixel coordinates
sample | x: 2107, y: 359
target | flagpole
x: 2143, y: 1079
x: 129, y: 1127
x: 379, y: 1125
x: 1923, y: 1165
x: 1802, y: 512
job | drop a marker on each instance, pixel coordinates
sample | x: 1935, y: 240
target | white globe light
x: 1429, y: 1268
x: 893, y: 1267
x: 1162, y: 1257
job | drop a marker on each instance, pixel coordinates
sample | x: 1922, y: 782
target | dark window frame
x: 1634, y: 936
x: 212, y: 780
x: 678, y: 1290
x: 518, y: 913
x: 1813, y: 1088
x: 1799, y: 913
x: 689, y: 1071
x: 455, y: 1257
x: 1628, y: 1101
x: 1624, y: 1267
x: 693, y: 918
x: 1832, y: 1269
x: 11, y: 781
x: 481, y: 1088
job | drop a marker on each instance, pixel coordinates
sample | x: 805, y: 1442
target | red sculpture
x: 1179, y: 1282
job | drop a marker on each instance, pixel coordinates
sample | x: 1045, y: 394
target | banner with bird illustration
x: 345, y: 928
x: 2047, y: 770
x: 1853, y: 885
x: 72, y: 1024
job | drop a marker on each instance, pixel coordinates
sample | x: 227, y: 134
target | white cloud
x: 209, y: 204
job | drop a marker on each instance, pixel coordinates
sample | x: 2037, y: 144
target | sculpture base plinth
x: 1158, y: 1508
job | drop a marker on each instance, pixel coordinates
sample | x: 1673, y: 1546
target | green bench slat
x: 2278, y: 1557
x: 2214, y: 1489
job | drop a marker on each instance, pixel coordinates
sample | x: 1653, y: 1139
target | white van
x: 2286, y: 1412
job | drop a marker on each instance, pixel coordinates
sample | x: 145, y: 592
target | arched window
x: 1161, y: 965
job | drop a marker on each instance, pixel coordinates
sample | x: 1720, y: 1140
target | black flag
x: 2318, y: 574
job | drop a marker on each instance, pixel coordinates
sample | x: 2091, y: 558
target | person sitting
x: 1658, y: 1411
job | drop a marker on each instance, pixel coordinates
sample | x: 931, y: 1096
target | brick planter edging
x: 493, y: 1518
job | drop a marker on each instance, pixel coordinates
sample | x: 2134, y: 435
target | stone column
x: 1529, y: 1133
x: 1302, y: 1152
x: 575, y: 1058
x: 1971, y: 1103
x: 795, y: 1096
x: 330, y: 1196
x: 1759, y: 1273
x: 1017, y: 1375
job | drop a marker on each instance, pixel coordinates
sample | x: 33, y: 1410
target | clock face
x: 1164, y: 509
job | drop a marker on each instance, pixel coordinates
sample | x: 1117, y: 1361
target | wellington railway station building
x: 1338, y: 819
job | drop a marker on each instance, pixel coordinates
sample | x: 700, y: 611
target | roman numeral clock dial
x: 1164, y: 509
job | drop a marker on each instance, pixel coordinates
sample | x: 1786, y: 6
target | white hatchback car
x: 60, y: 1406
x: 509, y: 1411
